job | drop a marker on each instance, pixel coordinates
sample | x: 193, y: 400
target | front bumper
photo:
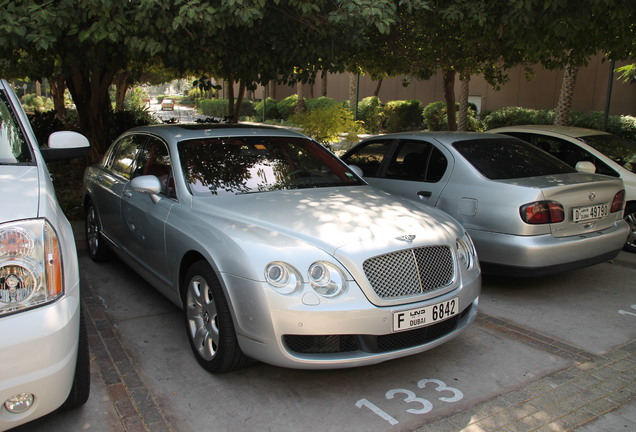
x: 515, y: 255
x: 38, y: 352
x: 281, y: 329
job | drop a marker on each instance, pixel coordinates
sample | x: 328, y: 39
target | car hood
x: 331, y: 218
x: 19, y: 191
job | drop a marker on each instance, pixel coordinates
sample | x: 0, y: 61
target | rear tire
x: 97, y: 249
x: 630, y: 218
x: 82, y: 380
x: 208, y: 321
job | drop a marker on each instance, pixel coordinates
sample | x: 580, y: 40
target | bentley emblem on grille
x: 592, y: 196
x: 406, y: 237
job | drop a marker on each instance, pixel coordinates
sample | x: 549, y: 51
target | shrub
x: 325, y: 125
x: 403, y: 115
x: 436, y: 118
x: 510, y: 116
x: 320, y: 103
x: 34, y: 103
x: 624, y: 126
x: 286, y: 106
x: 213, y: 107
x: 370, y: 112
x: 270, y: 106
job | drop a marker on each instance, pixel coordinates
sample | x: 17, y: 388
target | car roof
x: 571, y: 131
x: 184, y: 131
x: 444, y: 136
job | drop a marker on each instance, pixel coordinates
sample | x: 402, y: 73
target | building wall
x: 540, y: 92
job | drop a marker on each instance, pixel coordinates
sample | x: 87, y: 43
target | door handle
x: 128, y: 194
x: 424, y: 195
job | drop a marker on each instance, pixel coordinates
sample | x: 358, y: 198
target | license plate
x: 425, y: 316
x: 590, y: 212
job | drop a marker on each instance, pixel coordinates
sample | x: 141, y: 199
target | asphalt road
x: 555, y: 353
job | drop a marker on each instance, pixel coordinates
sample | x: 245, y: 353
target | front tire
x: 630, y: 218
x: 209, y: 322
x: 97, y: 250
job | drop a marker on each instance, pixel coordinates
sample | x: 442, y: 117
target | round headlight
x: 327, y: 279
x: 15, y: 241
x: 465, y: 252
x: 17, y: 282
x: 283, y: 277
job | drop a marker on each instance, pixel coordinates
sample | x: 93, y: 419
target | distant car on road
x: 610, y: 155
x: 43, y: 343
x: 167, y: 105
x: 276, y: 250
x: 528, y: 213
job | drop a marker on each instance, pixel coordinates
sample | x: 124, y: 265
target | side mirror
x: 148, y: 184
x: 65, y: 145
x: 585, y: 166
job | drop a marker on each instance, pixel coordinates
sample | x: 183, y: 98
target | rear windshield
x: 620, y: 150
x: 509, y: 158
x: 231, y: 166
x: 14, y: 148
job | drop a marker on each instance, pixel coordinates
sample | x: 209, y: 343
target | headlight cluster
x: 30, y: 265
x: 325, y: 278
x: 466, y: 255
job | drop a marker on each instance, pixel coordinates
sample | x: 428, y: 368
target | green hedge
x: 270, y: 106
x: 403, y: 115
x: 371, y: 113
x: 214, y: 107
x: 436, y: 119
x: 624, y: 126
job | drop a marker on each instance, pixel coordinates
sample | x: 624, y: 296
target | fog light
x: 19, y: 403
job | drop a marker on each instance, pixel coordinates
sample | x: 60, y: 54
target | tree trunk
x: 462, y: 122
x: 58, y: 86
x: 449, y: 96
x: 352, y: 90
x: 230, y: 99
x: 376, y: 92
x: 236, y: 115
x: 562, y: 113
x: 323, y: 83
x: 121, y: 87
x: 300, y: 104
x: 89, y: 86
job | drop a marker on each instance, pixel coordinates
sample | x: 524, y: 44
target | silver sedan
x: 276, y: 250
x: 528, y: 213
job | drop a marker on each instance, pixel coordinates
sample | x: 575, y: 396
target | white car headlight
x: 282, y: 277
x: 30, y: 265
x: 327, y: 279
x: 466, y: 254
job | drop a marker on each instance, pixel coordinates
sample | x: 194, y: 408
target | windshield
x: 620, y: 150
x: 13, y: 146
x: 509, y: 158
x: 222, y: 166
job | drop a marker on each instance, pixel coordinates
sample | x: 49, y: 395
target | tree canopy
x: 91, y: 43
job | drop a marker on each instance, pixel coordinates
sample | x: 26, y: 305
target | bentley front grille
x: 410, y: 272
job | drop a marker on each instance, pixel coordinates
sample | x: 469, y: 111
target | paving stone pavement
x: 593, y: 387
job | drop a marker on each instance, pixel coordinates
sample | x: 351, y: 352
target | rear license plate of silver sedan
x: 598, y: 211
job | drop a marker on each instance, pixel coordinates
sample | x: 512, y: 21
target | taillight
x: 619, y: 202
x: 542, y: 212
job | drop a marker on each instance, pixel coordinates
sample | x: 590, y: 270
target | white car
x: 604, y: 153
x: 43, y: 347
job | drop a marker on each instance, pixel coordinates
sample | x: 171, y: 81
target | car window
x: 222, y: 166
x: 368, y: 157
x: 14, y: 148
x: 125, y: 154
x: 566, y: 151
x: 417, y: 161
x: 620, y: 150
x: 153, y: 159
x: 508, y: 158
